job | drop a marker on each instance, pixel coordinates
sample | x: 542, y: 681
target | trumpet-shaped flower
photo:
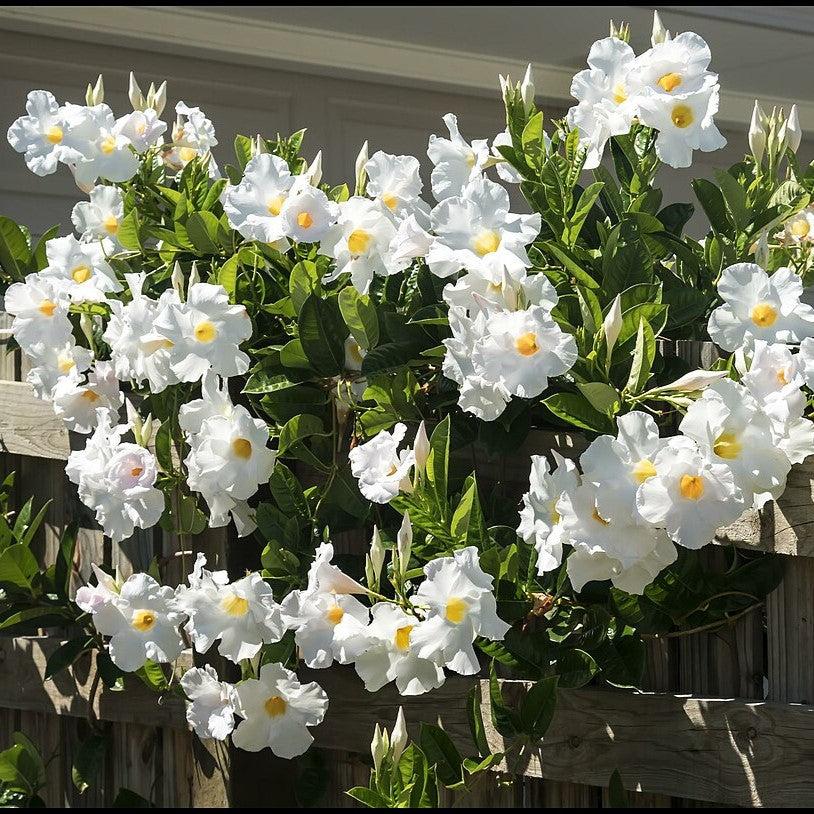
x: 39, y: 306
x: 49, y: 363
x: 80, y: 268
x: 477, y: 294
x: 395, y: 182
x: 254, y: 206
x: 775, y: 379
x: 360, y: 242
x: 193, y: 136
x: 327, y: 578
x: 674, y: 67
x: 730, y: 422
x: 389, y: 651
x: 116, y: 480
x: 142, y: 622
x: 92, y: 598
x: 618, y: 466
x: 76, y: 401
x: 278, y: 711
x: 100, y: 217
x: 757, y: 306
x: 456, y: 162
x: 475, y: 231
x: 142, y: 128
x: 691, y: 495
x: 799, y: 228
x: 242, y: 615
x: 308, y: 216
x: 41, y: 135
x: 204, y: 333
x: 106, y: 152
x: 325, y: 625
x: 214, y: 401
x: 212, y: 703
x: 540, y: 521
x: 460, y: 605
x: 381, y: 469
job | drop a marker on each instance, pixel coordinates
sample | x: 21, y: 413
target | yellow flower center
x: 526, y: 344
x: 54, y: 134
x: 143, y: 620
x: 691, y: 487
x: 90, y: 396
x: 47, y: 308
x: 728, y: 446
x: 111, y: 224
x: 81, y: 273
x: 242, y: 448
x: 486, y: 242
x: 334, y: 614
x: 136, y: 471
x: 800, y: 227
x: 390, y: 201
x: 555, y: 516
x: 355, y: 352
x: 141, y: 128
x: 304, y: 220
x: 358, y: 242
x: 275, y: 205
x: 782, y: 378
x: 108, y: 145
x: 402, y: 638
x: 470, y: 159
x: 66, y: 364
x: 670, y: 81
x: 205, y: 331
x: 598, y: 517
x: 764, y: 315
x: 643, y: 470
x: 455, y: 610
x: 619, y: 93
x: 682, y: 116
x: 233, y: 605
x: 275, y: 706
x: 186, y: 154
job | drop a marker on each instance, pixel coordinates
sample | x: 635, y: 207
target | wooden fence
x: 725, y: 720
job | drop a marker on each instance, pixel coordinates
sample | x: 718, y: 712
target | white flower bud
x: 760, y: 248
x: 178, y: 280
x: 314, y: 172
x: 134, y: 93
x: 757, y: 132
x: 134, y: 419
x: 612, y: 326
x: 376, y: 559
x: 86, y: 325
x: 660, y: 33
x: 527, y: 89
x: 194, y: 275
x: 695, y: 380
x: 159, y: 99
x: 379, y: 746
x: 421, y: 448
x: 398, y: 737
x: 404, y: 543
x: 794, y: 133
x: 147, y: 430
x: 95, y: 94
x: 361, y: 174
x: 258, y: 145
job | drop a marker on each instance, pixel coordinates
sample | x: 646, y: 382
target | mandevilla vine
x: 316, y: 365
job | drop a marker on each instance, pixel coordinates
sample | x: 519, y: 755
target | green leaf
x: 88, y: 762
x: 584, y: 206
x: 735, y: 199
x: 359, y: 314
x: 243, y: 150
x: 437, y: 468
x: 503, y: 719
x: 227, y: 275
x: 297, y: 429
x: 576, y: 409
x: 287, y: 492
x: 202, y: 228
x: 440, y: 752
x: 571, y: 265
x: 467, y: 520
x: 604, y: 398
x: 322, y: 334
x: 163, y: 447
x: 17, y: 567
x: 63, y: 567
x: 712, y: 202
x: 537, y: 707
x: 367, y: 797
x: 304, y: 281
x: 474, y: 716
x: 576, y: 668
x: 129, y: 232
x: 14, y: 252
x: 617, y: 796
x: 66, y: 654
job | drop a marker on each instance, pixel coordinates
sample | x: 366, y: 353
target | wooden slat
x: 28, y: 425
x: 716, y: 750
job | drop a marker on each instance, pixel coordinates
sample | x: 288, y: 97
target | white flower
x: 227, y: 462
x: 212, y: 703
x: 540, y: 522
x: 80, y: 268
x: 193, y: 136
x: 254, y: 206
x: 475, y: 293
x: 618, y: 466
x: 100, y: 217
x: 49, y: 363
x: 775, y: 378
x: 92, y: 598
x: 106, y: 152
x: 205, y: 332
x: 142, y: 622
x: 39, y: 306
x: 411, y: 240
x: 309, y: 215
x: 730, y: 422
x: 76, y: 401
x: 460, y: 606
x: 456, y: 162
x: 325, y: 577
x: 116, y: 480
x: 214, y: 401
x: 674, y: 67
x: 607, y: 103
x: 690, y: 495
x: 522, y: 349
x: 623, y: 543
x: 395, y: 182
x: 800, y: 227
x: 506, y: 172
x: 242, y: 615
x: 477, y: 232
x: 142, y: 128
x: 757, y: 306
x: 41, y: 134
x: 277, y: 711
x: 388, y: 651
x: 137, y: 352
x: 360, y: 243
x: 381, y: 469
x: 685, y: 123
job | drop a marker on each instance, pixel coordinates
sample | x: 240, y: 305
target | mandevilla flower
x: 212, y: 703
x: 381, y: 469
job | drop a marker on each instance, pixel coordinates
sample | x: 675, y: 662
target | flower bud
x: 258, y: 145
x: 757, y: 132
x: 404, y: 543
x: 177, y: 279
x: 361, y: 173
x: 375, y: 558
x: 695, y: 380
x: 147, y: 430
x: 527, y: 89
x: 794, y: 133
x: 86, y: 325
x: 158, y: 100
x: 134, y: 93
x: 612, y: 326
x: 660, y: 34
x: 95, y: 94
x: 314, y: 172
x: 421, y: 448
x: 134, y: 419
x: 194, y: 275
x: 398, y: 737
x: 379, y: 746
